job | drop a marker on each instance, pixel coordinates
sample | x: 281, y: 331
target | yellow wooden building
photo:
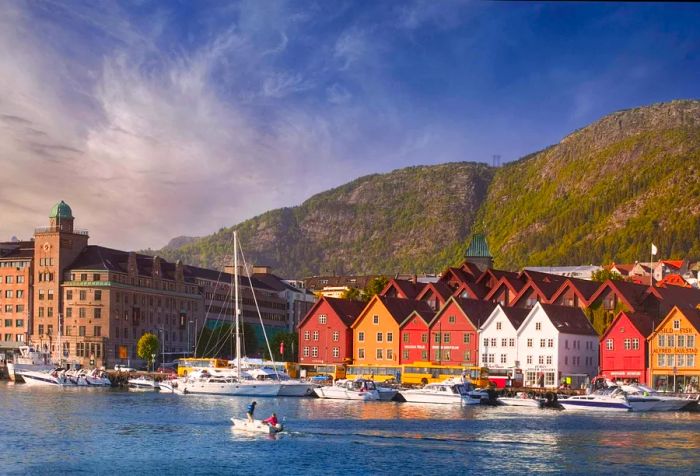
x: 673, y: 351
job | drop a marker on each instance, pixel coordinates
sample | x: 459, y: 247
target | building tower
x: 478, y: 252
x: 55, y: 248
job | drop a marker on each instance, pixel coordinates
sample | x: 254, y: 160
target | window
x: 41, y: 329
x: 550, y: 342
x: 690, y: 360
x: 19, y: 293
x: 336, y: 352
x: 360, y: 353
x: 467, y: 356
x: 493, y: 342
x: 336, y: 336
x: 314, y: 352
x: 97, y: 331
x: 451, y: 319
x: 566, y: 344
x: 466, y: 338
x: 680, y: 360
x: 504, y: 342
x: 375, y: 319
x: 446, y: 338
x: 676, y: 325
x: 49, y: 312
x: 486, y: 342
x: 83, y: 295
x: 116, y: 332
x: 322, y: 318
x: 380, y: 337
x: 609, y: 344
x: 670, y: 341
x: 20, y: 279
x: 670, y: 360
x: 390, y: 354
x: 529, y: 342
x: 8, y: 279
x: 436, y: 338
x: 690, y: 342
x: 42, y: 294
x: 83, y: 277
x: 511, y: 342
x: 549, y: 360
x: 315, y: 335
x: 360, y: 336
x: 69, y: 294
x: 405, y: 355
x: 19, y: 323
x: 538, y: 326
x: 405, y: 338
x: 8, y: 322
x: 307, y: 336
x: 542, y: 342
x: 662, y: 340
x: 306, y: 351
x: 97, y: 313
x: 81, y: 312
x: 424, y: 355
x: 8, y: 293
x: 19, y: 308
x: 484, y: 358
x: 8, y: 308
x: 681, y: 341
x: 498, y: 326
x: 492, y: 358
x: 389, y: 338
x: 635, y: 344
x: 98, y: 295
x: 50, y: 295
x: 503, y: 358
x: 424, y: 338
x: 661, y: 360
x: 96, y: 277
x: 529, y: 359
x: 49, y: 329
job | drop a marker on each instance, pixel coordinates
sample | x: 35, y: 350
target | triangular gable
x: 372, y: 302
x: 403, y: 288
x: 343, y: 309
x: 530, y: 286
x: 565, y: 319
x: 514, y: 316
x: 644, y: 323
x: 673, y: 279
x: 632, y: 295
x: 582, y: 288
x: 442, y: 291
x: 473, y: 290
x: 692, y: 315
x: 506, y: 282
x: 416, y: 315
x: 455, y: 277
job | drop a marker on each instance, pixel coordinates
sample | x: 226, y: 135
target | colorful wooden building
x: 624, y: 351
x: 673, y: 351
x: 325, y: 335
x: 415, y: 338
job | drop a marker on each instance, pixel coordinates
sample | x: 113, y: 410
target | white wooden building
x: 498, y: 347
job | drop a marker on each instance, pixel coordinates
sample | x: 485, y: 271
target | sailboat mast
x: 236, y: 310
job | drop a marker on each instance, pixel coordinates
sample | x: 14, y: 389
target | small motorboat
x: 143, y: 383
x: 521, y: 399
x: 598, y: 401
x: 256, y: 426
x: 359, y: 389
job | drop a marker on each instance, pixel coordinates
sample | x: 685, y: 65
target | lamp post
x: 153, y: 362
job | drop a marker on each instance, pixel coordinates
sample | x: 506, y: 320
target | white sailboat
x: 204, y: 382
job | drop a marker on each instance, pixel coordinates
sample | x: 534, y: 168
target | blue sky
x: 159, y: 119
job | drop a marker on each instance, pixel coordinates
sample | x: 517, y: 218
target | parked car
x: 123, y: 368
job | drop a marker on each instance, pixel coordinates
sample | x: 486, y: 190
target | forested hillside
x: 604, y: 193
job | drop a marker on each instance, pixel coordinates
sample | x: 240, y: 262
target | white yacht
x: 661, y: 402
x: 599, y: 401
x: 56, y: 377
x: 289, y: 387
x: 29, y: 358
x: 143, y: 383
x: 203, y: 382
x: 521, y: 399
x: 359, y: 389
x: 442, y: 393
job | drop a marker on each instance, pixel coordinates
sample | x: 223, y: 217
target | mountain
x: 604, y: 193
x: 412, y: 219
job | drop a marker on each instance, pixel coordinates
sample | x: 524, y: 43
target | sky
x: 160, y: 119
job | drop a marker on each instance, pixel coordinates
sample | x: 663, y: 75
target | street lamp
x: 153, y: 362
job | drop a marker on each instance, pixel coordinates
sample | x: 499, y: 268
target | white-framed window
x: 504, y: 342
x: 511, y: 342
x: 503, y: 358
x: 375, y: 319
x: 671, y: 341
x: 314, y: 352
x: 484, y: 358
x: 390, y: 337
x: 336, y: 336
x: 336, y: 352
x: 635, y: 343
x: 406, y: 338
x: 380, y: 337
x: 493, y: 342
x: 538, y: 326
x: 498, y: 326
x: 670, y: 360
x: 662, y: 340
x: 446, y: 337
x: 676, y: 325
x: 467, y: 356
x: 322, y: 318
x: 608, y: 344
x: 628, y: 344
x: 681, y: 341
x: 306, y: 351
x: 360, y: 353
x: 543, y: 342
x: 529, y: 359
x: 360, y: 336
x: 492, y: 358
x: 550, y: 342
x: 690, y: 342
x: 680, y: 360
x: 307, y: 335
x: 529, y: 342
x: 380, y: 354
x: 451, y: 319
x: 486, y: 342
x: 466, y: 338
x: 690, y: 360
x: 540, y: 360
x: 390, y: 354
x: 549, y: 379
x: 405, y: 354
x: 549, y: 360
x: 315, y: 335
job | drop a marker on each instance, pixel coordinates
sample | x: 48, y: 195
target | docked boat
x: 657, y: 402
x: 143, y: 383
x: 203, y: 382
x: 386, y: 394
x: 521, y: 399
x: 29, y: 359
x: 56, y: 377
x: 289, y: 387
x: 342, y: 389
x: 443, y: 393
x: 256, y: 426
x: 598, y: 401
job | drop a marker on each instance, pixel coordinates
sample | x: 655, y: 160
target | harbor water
x: 110, y: 431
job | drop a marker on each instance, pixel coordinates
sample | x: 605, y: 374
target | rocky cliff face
x: 604, y: 193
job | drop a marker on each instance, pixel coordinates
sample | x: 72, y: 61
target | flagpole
x: 651, y: 267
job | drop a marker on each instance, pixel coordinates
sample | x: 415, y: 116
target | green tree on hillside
x: 604, y: 274
x: 375, y: 286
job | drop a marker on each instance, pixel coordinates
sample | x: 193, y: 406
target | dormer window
x: 676, y: 325
x: 538, y: 326
x: 322, y: 319
x: 375, y: 319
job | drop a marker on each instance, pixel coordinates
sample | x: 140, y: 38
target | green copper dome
x: 478, y: 247
x: 61, y: 210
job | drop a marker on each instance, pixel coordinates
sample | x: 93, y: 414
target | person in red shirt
x: 272, y: 421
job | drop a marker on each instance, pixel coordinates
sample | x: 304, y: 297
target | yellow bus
x: 421, y: 373
x: 334, y: 371
x: 375, y: 372
x: 187, y: 365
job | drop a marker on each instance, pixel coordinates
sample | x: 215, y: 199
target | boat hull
x: 256, y: 426
x: 13, y: 370
x: 595, y: 405
x: 417, y: 396
x: 294, y: 389
x: 232, y: 389
x: 337, y: 393
x: 521, y: 402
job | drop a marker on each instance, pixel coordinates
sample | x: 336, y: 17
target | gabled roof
x: 693, y: 316
x: 515, y: 315
x: 582, y: 287
x: 407, y: 287
x: 477, y: 289
x: 644, y: 323
x: 631, y: 294
x: 673, y: 263
x: 497, y: 274
x: 514, y: 285
x: 346, y: 309
x: 673, y: 279
x: 471, y: 269
x: 426, y: 317
x: 685, y: 298
x: 458, y: 273
x: 397, y: 307
x: 545, y: 289
x: 475, y: 310
x: 540, y: 277
x: 623, y: 269
x: 441, y: 289
x: 568, y: 320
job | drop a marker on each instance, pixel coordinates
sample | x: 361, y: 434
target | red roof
x: 673, y: 279
x: 632, y: 294
x: 346, y: 309
x: 441, y: 289
x: 674, y: 263
x: 477, y: 311
x: 583, y: 287
x: 407, y: 287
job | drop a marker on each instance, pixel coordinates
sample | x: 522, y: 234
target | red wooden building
x: 325, y: 335
x: 454, y: 331
x: 624, y: 351
x: 415, y: 336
